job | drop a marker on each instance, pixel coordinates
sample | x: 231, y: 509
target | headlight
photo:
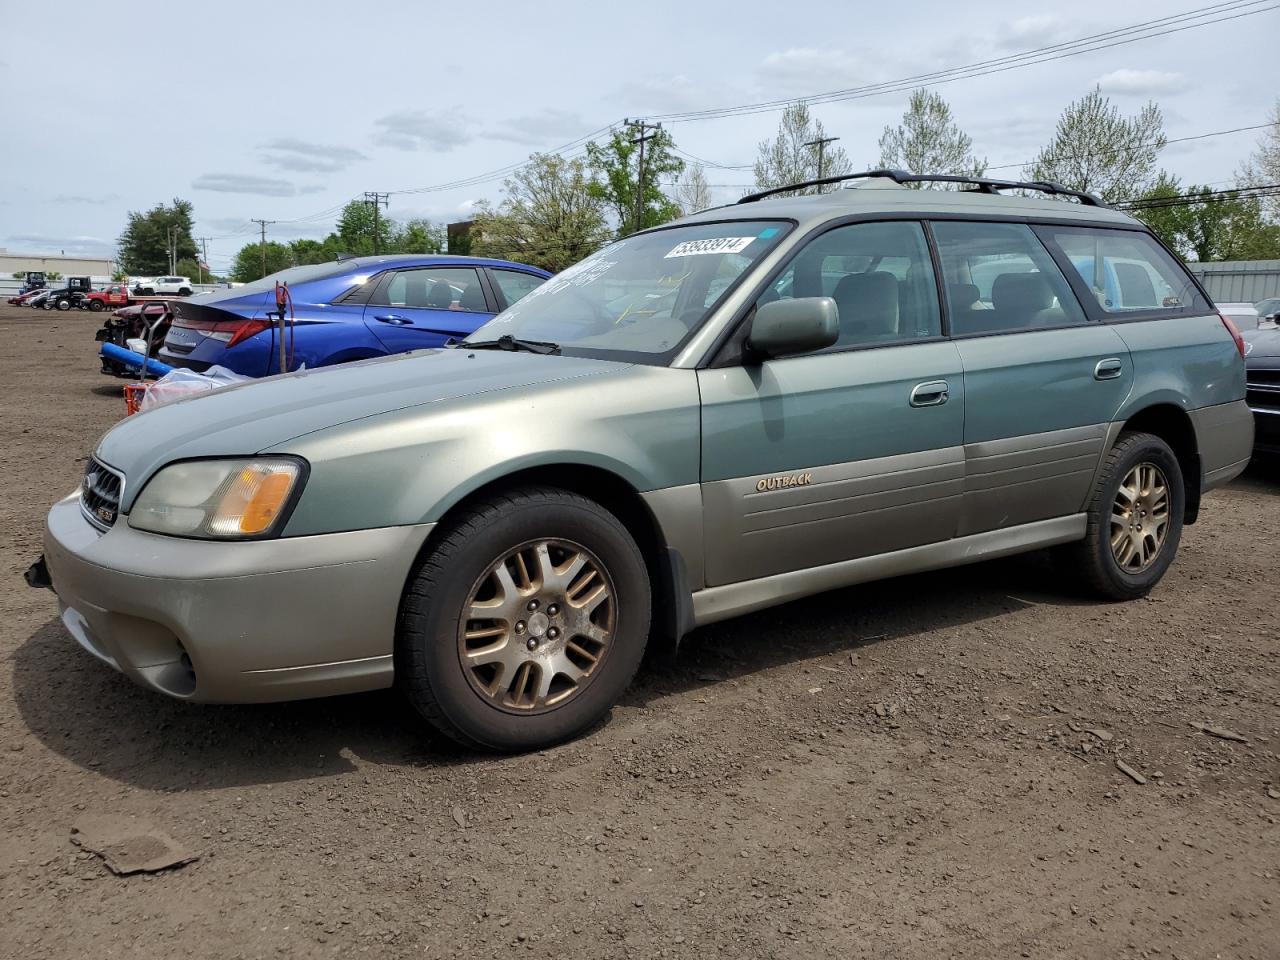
x: 219, y: 499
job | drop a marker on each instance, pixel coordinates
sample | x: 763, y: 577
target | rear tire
x: 184, y: 292
x: 525, y: 623
x: 1135, y: 521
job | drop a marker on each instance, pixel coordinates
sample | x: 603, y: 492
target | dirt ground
x: 903, y: 769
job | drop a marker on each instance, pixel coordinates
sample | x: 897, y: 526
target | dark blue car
x: 348, y: 310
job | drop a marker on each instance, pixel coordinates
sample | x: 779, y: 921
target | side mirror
x: 794, y: 326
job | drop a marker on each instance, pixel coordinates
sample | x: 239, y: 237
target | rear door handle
x: 931, y: 394
x: 1108, y: 369
x: 394, y: 319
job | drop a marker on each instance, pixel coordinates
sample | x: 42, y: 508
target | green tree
x: 144, y: 244
x: 1095, y: 148
x: 1216, y: 228
x: 1263, y: 165
x: 548, y: 216
x: 792, y: 156
x: 191, y: 268
x: 248, y: 262
x: 616, y: 183
x: 929, y: 141
x: 418, y: 235
x: 692, y: 193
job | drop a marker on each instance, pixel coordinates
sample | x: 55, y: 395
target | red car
x: 22, y: 298
x: 116, y: 295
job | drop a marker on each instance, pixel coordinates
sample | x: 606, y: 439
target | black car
x: 1262, y: 371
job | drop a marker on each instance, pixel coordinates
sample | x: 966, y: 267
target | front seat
x: 867, y: 304
x: 441, y: 296
x: 1018, y: 300
x: 415, y: 291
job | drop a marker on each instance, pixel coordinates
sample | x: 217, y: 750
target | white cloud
x: 804, y: 71
x: 246, y: 183
x: 1027, y: 33
x: 289, y: 153
x: 438, y: 132
x: 48, y: 244
x: 673, y: 94
x: 547, y: 127
x: 1141, y: 83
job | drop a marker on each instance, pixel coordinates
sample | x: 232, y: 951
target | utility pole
x: 204, y: 249
x: 171, y: 234
x: 372, y: 197
x: 821, y: 144
x: 644, y: 136
x: 264, y: 224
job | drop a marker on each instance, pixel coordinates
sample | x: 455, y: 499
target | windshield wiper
x: 513, y: 344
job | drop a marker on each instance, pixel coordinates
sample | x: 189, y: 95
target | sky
x: 286, y: 110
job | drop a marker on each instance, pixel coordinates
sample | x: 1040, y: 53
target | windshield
x: 639, y: 299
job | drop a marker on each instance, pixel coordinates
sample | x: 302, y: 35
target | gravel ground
x: 921, y: 768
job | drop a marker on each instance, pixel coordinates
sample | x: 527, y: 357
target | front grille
x: 100, y: 494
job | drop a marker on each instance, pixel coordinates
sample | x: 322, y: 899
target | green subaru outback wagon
x: 764, y: 401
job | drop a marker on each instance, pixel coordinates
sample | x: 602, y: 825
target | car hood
x: 1263, y: 344
x: 247, y: 418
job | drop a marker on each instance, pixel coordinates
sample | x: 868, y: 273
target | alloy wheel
x: 537, y: 626
x: 1140, y: 518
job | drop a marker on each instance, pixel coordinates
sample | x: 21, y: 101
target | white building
x: 11, y: 263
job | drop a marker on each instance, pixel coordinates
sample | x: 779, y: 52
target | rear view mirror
x: 794, y: 326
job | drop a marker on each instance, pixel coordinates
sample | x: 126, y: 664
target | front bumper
x: 233, y: 622
x: 1266, y: 424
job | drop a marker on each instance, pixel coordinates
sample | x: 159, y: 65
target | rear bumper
x: 1224, y: 438
x: 233, y: 622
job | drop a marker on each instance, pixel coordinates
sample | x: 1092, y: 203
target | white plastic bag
x: 179, y: 384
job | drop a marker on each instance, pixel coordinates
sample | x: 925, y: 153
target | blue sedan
x: 348, y: 310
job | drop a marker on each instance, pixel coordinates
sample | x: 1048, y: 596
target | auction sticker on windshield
x: 692, y: 248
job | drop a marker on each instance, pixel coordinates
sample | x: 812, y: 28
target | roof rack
x: 978, y: 184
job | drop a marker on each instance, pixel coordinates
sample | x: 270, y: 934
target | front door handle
x: 394, y: 319
x: 931, y: 394
x: 1108, y: 369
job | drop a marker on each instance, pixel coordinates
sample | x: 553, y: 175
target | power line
x: 1146, y: 30
x: 375, y: 200
x: 1086, y: 156
x: 1207, y: 196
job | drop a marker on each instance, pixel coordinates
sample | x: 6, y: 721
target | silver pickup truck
x: 756, y: 403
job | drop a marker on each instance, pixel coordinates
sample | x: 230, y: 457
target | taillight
x: 241, y: 330
x: 1235, y: 334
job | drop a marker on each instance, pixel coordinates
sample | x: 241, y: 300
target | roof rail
x: 978, y: 184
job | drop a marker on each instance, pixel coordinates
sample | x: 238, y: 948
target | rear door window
x: 1126, y: 272
x: 433, y: 288
x: 1000, y: 278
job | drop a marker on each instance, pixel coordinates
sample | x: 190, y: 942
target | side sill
x: 735, y: 599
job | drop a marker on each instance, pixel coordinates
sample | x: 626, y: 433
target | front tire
x: 95, y: 306
x: 1135, y: 520
x: 525, y: 623
x: 63, y: 304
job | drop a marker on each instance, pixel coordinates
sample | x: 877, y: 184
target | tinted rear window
x: 1126, y: 272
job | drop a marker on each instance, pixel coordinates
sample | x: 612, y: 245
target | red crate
x: 133, y: 394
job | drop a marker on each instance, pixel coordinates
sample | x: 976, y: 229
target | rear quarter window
x: 1123, y: 274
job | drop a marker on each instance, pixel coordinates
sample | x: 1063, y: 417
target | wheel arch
x: 672, y: 600
x: 1170, y: 422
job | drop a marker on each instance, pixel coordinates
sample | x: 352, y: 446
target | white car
x: 163, y: 285
x: 1243, y: 315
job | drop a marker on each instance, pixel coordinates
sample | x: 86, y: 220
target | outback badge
x: 783, y: 481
